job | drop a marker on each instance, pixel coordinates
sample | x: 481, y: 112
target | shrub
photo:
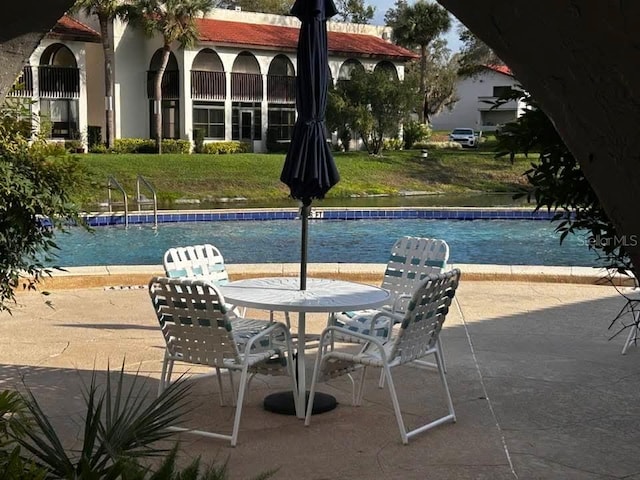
x: 33, y: 185
x: 414, y: 132
x: 198, y: 140
x: 273, y: 144
x: 344, y: 134
x: 146, y: 145
x: 99, y: 148
x: 48, y: 149
x: 392, y: 144
x: 170, y: 145
x: 437, y: 145
x: 94, y: 136
x: 73, y: 146
x: 219, y: 148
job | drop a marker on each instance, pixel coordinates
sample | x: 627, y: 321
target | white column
x: 227, y: 107
x: 264, y: 114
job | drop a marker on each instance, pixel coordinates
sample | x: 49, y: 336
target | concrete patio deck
x: 540, y: 392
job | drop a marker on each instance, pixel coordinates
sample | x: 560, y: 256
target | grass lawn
x: 257, y: 176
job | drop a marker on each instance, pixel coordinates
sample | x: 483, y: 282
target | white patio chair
x: 202, y: 262
x: 197, y: 330
x: 411, y: 260
x: 417, y: 337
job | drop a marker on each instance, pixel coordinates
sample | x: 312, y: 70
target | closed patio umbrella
x: 309, y: 169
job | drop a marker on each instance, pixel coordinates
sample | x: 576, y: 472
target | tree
x: 418, y: 25
x: 355, y: 11
x: 174, y: 21
x: 441, y: 78
x: 35, y: 200
x: 474, y: 54
x: 375, y: 103
x: 277, y: 7
x: 558, y: 184
x: 106, y: 11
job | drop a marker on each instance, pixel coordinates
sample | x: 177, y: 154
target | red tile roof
x: 500, y: 69
x: 71, y: 29
x: 286, y: 38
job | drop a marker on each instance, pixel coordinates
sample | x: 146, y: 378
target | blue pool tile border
x: 98, y: 220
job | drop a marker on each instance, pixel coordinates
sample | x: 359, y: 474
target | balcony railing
x: 208, y: 85
x: 170, y: 84
x: 58, y: 82
x: 246, y: 87
x: 281, y: 88
x: 24, y: 84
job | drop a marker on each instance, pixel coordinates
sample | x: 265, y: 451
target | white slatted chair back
x: 194, y: 321
x: 426, y: 312
x: 196, y: 261
x: 412, y: 259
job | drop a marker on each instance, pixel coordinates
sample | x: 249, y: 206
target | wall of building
x: 466, y: 112
x: 95, y: 86
x: 130, y: 79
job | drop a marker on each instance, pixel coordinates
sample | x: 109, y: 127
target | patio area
x: 539, y: 390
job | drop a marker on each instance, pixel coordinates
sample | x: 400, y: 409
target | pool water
x: 505, y: 242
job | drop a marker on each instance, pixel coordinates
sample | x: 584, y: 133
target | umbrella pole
x: 306, y: 209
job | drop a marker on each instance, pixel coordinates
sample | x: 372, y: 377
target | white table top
x: 322, y: 295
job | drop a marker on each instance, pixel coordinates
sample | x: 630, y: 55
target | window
x: 170, y: 119
x: 281, y: 121
x: 62, y: 115
x: 209, y: 117
x: 500, y: 91
x: 237, y: 118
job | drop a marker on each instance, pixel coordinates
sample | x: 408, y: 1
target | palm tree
x: 174, y: 20
x: 418, y: 25
x: 106, y: 11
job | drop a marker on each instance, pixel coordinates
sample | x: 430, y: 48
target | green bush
x: 48, y: 149
x: 219, y: 148
x: 94, y: 135
x: 392, y: 144
x: 99, y: 148
x: 146, y: 145
x: 414, y: 132
x: 34, y: 185
x: 437, y: 145
x: 198, y: 140
x: 170, y: 145
x: 273, y: 144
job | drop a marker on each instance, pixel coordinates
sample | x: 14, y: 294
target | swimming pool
x: 505, y: 242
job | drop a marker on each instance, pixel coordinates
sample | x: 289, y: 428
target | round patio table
x: 321, y: 295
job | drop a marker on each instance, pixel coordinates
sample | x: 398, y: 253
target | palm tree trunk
x: 423, y: 81
x: 157, y: 95
x: 108, y: 80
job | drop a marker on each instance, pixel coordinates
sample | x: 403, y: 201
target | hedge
x: 146, y: 145
x: 218, y: 148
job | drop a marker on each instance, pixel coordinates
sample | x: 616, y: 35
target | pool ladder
x: 141, y: 200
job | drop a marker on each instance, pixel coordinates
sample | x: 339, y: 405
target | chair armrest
x: 396, y: 302
x: 267, y: 332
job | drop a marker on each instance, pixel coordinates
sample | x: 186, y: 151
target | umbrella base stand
x: 282, y: 402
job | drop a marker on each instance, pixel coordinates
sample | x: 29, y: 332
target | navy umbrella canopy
x: 309, y: 170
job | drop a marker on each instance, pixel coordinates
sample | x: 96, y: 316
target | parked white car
x: 464, y: 136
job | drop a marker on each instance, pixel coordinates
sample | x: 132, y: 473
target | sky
x: 383, y: 5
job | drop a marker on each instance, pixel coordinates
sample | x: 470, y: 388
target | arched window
x: 208, y: 91
x: 388, y: 67
x: 246, y: 96
x: 281, y: 94
x: 348, y: 67
x: 59, y: 89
